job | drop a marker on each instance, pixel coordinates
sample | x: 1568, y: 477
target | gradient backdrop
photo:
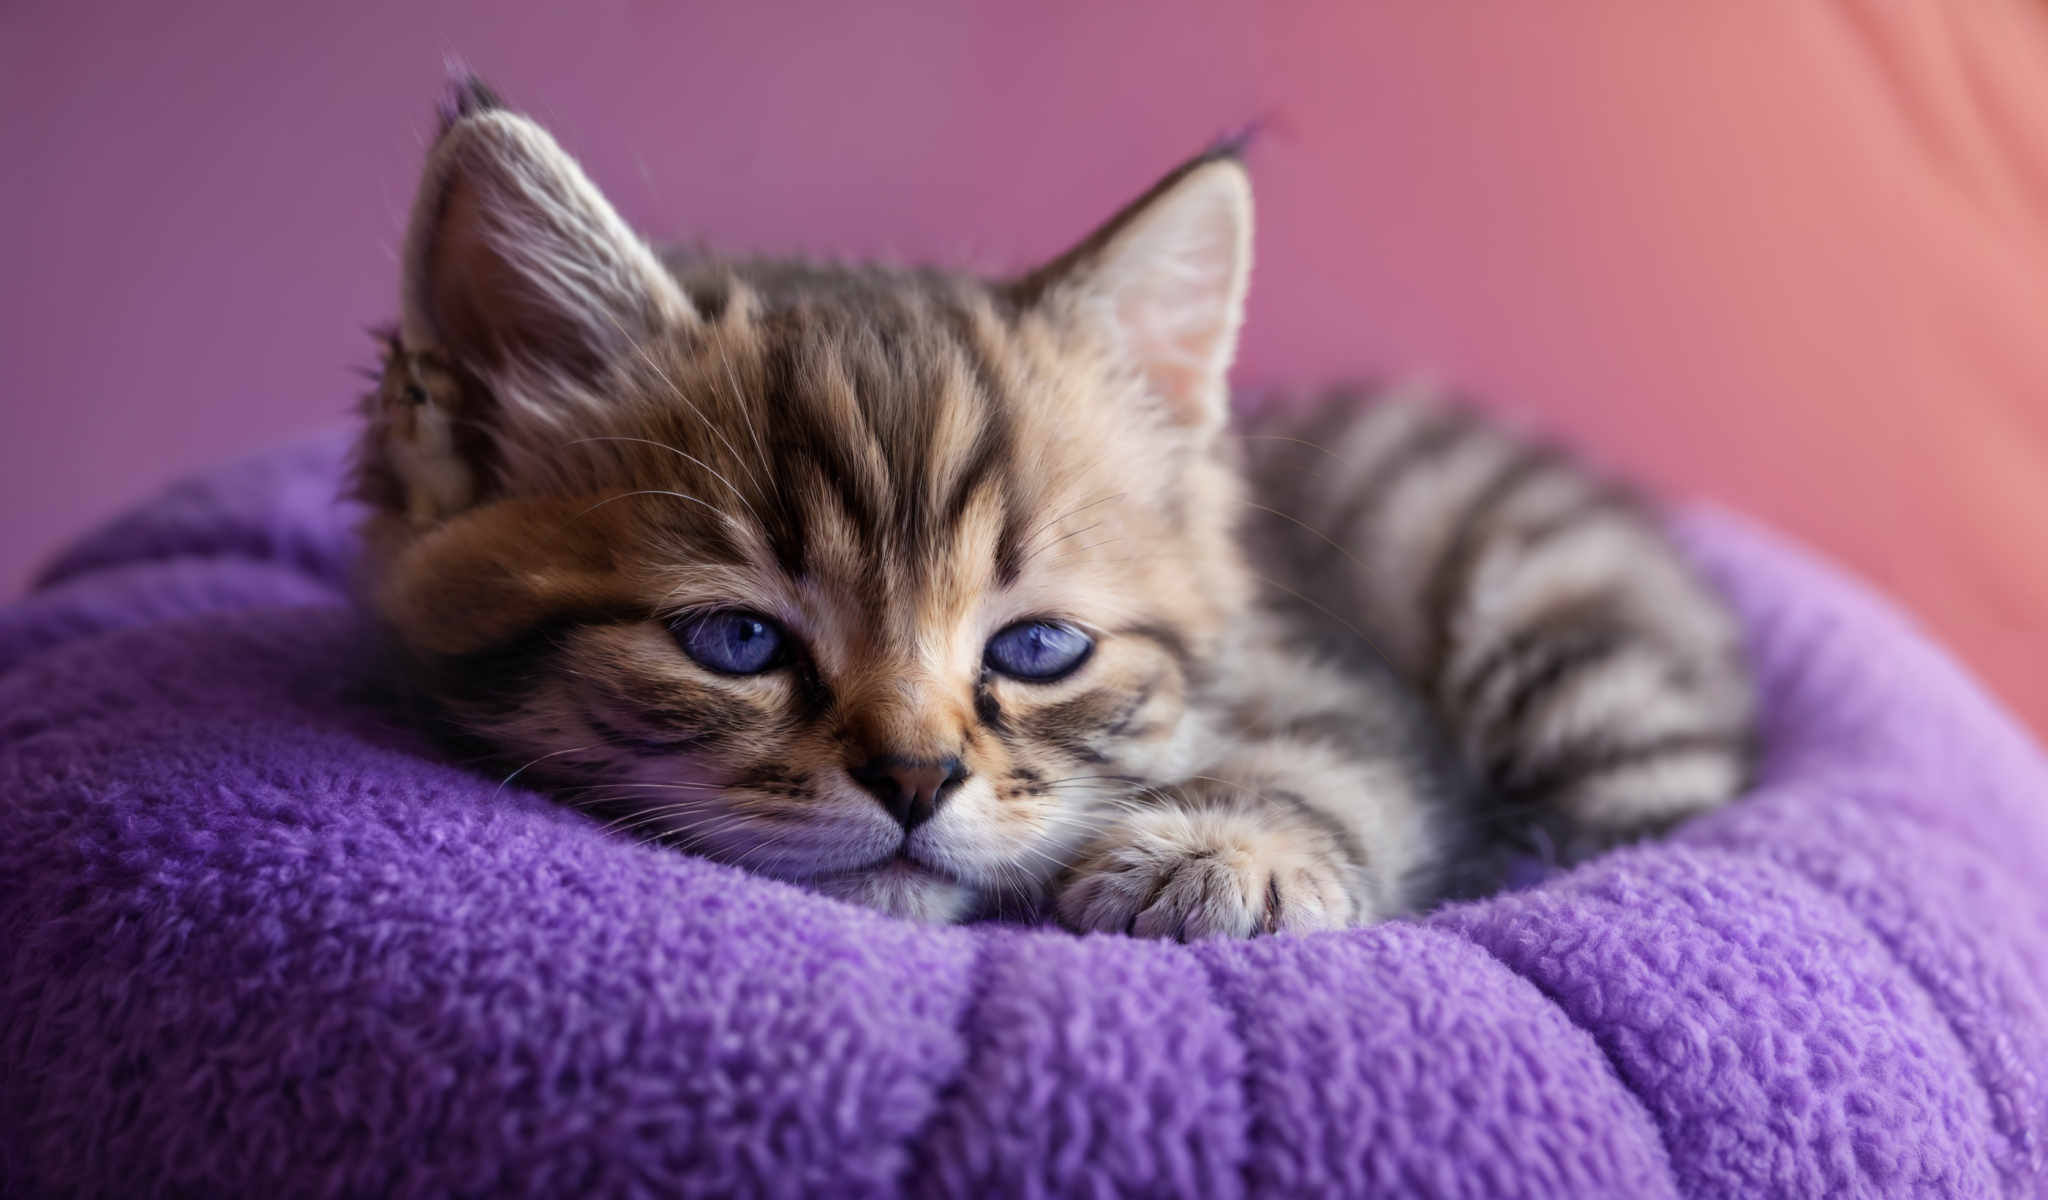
x: 1792, y: 257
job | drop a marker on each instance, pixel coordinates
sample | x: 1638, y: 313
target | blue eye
x: 1037, y: 650
x: 731, y: 642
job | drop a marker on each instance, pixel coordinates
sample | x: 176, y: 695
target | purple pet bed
x: 259, y: 941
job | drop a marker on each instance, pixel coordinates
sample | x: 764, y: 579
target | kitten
x: 946, y: 595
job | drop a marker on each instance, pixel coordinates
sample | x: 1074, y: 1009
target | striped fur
x: 1596, y: 688
x: 578, y: 444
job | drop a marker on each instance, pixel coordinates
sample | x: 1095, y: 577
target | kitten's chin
x: 902, y: 889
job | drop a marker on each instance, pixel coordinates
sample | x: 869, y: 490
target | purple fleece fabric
x: 258, y: 940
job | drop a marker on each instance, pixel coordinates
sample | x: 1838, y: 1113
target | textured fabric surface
x: 257, y: 939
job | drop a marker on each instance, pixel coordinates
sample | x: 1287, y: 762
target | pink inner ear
x: 1176, y: 286
x: 1178, y: 355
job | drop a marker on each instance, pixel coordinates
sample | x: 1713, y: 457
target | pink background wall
x: 1793, y: 257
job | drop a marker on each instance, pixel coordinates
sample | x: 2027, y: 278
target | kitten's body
x: 1290, y: 705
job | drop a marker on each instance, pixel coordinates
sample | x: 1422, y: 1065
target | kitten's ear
x: 1165, y: 280
x: 513, y: 255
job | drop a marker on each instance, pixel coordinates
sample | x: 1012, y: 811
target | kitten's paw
x: 1208, y: 873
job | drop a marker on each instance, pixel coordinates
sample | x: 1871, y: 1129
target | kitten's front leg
x: 1262, y: 846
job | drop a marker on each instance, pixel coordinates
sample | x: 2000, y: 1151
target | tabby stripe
x: 1336, y: 830
x: 1168, y: 639
x: 987, y: 465
x: 1562, y: 645
x: 1067, y: 723
x: 990, y: 455
x: 804, y: 446
x: 655, y: 702
x: 1075, y: 748
x: 1010, y: 556
x: 1338, y: 411
x: 528, y: 647
x: 1120, y: 724
x: 1606, y: 500
x: 813, y: 696
x: 1580, y: 764
x: 621, y: 739
x: 1417, y: 449
x: 986, y: 706
x: 1445, y: 593
x: 1339, y: 727
x: 1561, y: 631
x: 960, y: 323
x: 829, y: 464
x: 788, y: 532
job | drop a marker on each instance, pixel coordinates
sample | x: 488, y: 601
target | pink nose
x: 911, y: 789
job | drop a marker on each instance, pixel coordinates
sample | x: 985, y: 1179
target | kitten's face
x: 885, y: 583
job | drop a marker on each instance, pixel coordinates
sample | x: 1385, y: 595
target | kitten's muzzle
x: 910, y: 789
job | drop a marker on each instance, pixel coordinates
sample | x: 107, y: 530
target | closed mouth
x: 903, y: 863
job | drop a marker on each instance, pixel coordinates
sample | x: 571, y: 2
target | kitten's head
x: 880, y: 581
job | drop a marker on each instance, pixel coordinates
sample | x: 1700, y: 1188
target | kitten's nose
x: 912, y: 789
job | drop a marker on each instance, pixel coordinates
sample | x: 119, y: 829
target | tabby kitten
x: 946, y: 595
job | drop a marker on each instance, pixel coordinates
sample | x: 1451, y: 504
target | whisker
x: 1329, y: 541
x: 1039, y: 852
x: 1318, y: 447
x: 1110, y: 778
x: 712, y: 823
x: 740, y: 402
x: 1024, y: 884
x: 715, y: 472
x: 773, y: 855
x: 627, y: 783
x: 1071, y: 533
x: 640, y: 349
x: 521, y: 768
x: 1031, y: 537
x: 656, y: 492
x: 1074, y: 550
x: 1360, y: 634
x: 708, y: 823
x: 641, y: 816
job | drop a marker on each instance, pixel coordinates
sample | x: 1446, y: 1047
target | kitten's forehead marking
x: 883, y: 429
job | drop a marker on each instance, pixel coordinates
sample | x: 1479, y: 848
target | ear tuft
x: 466, y: 96
x: 1165, y: 280
x: 1238, y: 142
